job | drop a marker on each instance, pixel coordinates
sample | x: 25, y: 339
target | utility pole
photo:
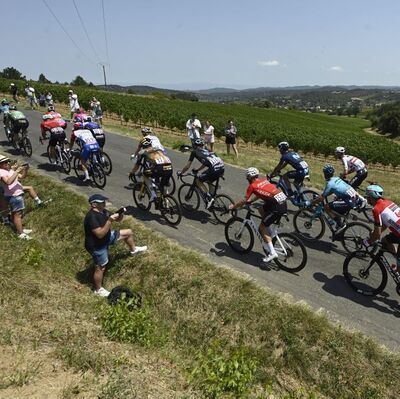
x: 104, y: 73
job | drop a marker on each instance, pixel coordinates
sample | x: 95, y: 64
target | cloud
x: 336, y: 68
x: 268, y: 63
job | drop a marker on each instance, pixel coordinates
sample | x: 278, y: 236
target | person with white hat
x: 73, y: 103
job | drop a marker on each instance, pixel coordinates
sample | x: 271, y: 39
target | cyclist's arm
x: 278, y: 168
x: 201, y: 167
x: 186, y: 167
x: 376, y: 233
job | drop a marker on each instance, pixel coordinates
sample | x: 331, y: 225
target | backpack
x: 134, y: 299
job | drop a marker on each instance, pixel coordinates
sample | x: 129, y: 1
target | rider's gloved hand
x: 178, y: 173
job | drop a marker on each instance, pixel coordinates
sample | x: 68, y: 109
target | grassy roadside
x: 204, y: 331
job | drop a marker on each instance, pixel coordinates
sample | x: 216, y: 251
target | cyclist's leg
x: 200, y: 180
x: 84, y: 156
x: 148, y: 176
x: 52, y: 145
x: 359, y: 177
x: 336, y: 210
x: 165, y: 176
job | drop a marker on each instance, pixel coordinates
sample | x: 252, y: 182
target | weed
x: 118, y: 385
x: 20, y: 375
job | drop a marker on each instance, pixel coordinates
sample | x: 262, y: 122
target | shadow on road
x: 337, y: 286
x: 148, y: 216
x: 324, y: 246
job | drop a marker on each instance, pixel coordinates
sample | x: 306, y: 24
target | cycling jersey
x: 387, y: 213
x: 155, y: 142
x: 266, y: 191
x: 149, y: 159
x: 352, y: 164
x: 207, y: 158
x: 84, y: 136
x: 97, y: 131
x: 294, y: 160
x: 340, y: 188
x: 53, y: 125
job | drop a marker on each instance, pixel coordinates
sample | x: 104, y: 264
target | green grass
x: 207, y: 331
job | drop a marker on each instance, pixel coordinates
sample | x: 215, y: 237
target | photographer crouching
x: 99, y: 236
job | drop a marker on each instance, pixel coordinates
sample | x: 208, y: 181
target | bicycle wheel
x: 188, y: 197
x: 105, y: 162
x: 170, y: 210
x: 26, y: 146
x: 171, y: 187
x: 307, y: 225
x: 309, y: 195
x: 65, y: 162
x: 141, y: 196
x: 364, y: 275
x: 239, y: 236
x: 98, y: 175
x: 80, y: 174
x: 52, y: 159
x: 292, y: 252
x: 220, y: 208
x: 353, y: 235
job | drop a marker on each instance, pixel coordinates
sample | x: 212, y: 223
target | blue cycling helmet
x: 328, y: 170
x: 374, y: 191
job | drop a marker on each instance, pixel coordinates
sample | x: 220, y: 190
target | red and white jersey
x: 266, y: 191
x: 387, y: 213
x: 352, y: 164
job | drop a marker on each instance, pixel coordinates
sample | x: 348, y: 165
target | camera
x: 121, y: 210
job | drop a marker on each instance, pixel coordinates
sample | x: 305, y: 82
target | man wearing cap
x: 99, y: 236
x: 13, y: 192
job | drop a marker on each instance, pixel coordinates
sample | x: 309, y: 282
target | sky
x: 188, y: 44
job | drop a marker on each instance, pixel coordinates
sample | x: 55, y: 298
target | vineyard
x: 310, y: 133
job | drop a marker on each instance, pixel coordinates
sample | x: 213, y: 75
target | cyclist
x: 16, y: 122
x: 95, y: 128
x: 53, y: 123
x: 274, y: 207
x: 156, y: 165
x: 51, y: 111
x: 88, y: 144
x: 386, y: 215
x: 351, y: 165
x: 346, y: 198
x: 292, y: 158
x: 214, y: 164
x: 155, y: 141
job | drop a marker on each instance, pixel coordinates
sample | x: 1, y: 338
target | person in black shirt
x: 99, y: 236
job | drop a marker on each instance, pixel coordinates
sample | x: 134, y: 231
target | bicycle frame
x: 193, y: 186
x: 381, y: 256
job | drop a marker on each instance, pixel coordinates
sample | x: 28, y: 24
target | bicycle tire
x: 65, y: 162
x: 290, y: 242
x: 170, y: 189
x: 142, y: 200
x: 80, y: 174
x: 105, y: 163
x: 188, y: 198
x: 51, y: 160
x: 170, y: 210
x: 98, y: 175
x: 234, y: 234
x: 26, y: 146
x: 220, y: 208
x: 303, y: 223
x: 364, y: 268
x: 352, y: 236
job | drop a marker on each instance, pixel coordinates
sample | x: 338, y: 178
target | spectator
x: 97, y: 112
x: 230, y: 138
x: 14, y: 193
x: 14, y: 91
x: 209, y: 136
x: 49, y: 99
x: 193, y: 127
x: 99, y: 236
x: 31, y: 96
x: 73, y: 103
x: 42, y: 100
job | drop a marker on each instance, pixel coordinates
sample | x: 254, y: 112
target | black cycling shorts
x: 162, y: 174
x: 19, y: 124
x: 58, y: 137
x: 360, y: 176
x: 210, y: 175
x: 101, y: 139
x: 273, y: 212
x: 392, y: 238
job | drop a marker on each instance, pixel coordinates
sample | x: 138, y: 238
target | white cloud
x: 268, y: 63
x: 336, y: 68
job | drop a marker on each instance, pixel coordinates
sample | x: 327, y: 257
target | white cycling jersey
x: 352, y: 164
x: 85, y: 136
x: 155, y: 142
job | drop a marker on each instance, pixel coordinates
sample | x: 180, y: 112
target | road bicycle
x: 239, y: 234
x: 103, y: 159
x: 189, y: 195
x: 168, y: 206
x: 19, y: 140
x: 94, y: 168
x: 62, y: 157
x: 301, y: 197
x: 367, y: 271
x: 310, y: 224
x: 367, y: 210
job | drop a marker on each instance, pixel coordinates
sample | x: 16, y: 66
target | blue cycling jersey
x: 294, y: 160
x: 4, y: 108
x: 340, y: 188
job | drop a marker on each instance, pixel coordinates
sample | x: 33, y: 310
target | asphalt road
x: 321, y: 284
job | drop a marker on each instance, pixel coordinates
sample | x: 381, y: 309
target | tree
x: 79, y: 81
x: 43, y: 79
x: 12, y: 73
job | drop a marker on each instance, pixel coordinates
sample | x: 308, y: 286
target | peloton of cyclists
x: 346, y: 198
x: 386, y: 216
x: 156, y: 165
x: 351, y: 165
x: 274, y: 207
x: 214, y: 164
x: 292, y: 158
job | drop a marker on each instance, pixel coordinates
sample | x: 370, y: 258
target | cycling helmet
x: 4, y: 101
x: 340, y: 150
x: 13, y: 108
x: 50, y: 108
x: 88, y: 119
x: 328, y: 170
x: 77, y: 118
x: 146, y: 130
x: 374, y: 191
x: 145, y: 143
x: 283, y: 146
x: 252, y: 172
x: 77, y: 125
x: 199, y: 142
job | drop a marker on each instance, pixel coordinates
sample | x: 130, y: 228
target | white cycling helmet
x: 252, y: 172
x: 340, y: 150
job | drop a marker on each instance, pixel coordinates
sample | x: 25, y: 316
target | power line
x: 85, y: 30
x: 65, y: 31
x: 105, y: 31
